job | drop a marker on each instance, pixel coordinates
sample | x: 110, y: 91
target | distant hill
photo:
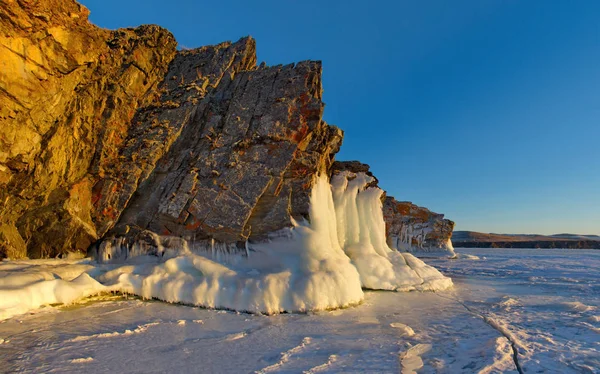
x: 473, y: 239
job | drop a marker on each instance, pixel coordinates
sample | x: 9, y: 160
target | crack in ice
x: 493, y: 324
x: 285, y: 356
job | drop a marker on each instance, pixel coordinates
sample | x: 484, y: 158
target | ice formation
x: 28, y: 285
x: 361, y: 234
x: 316, y: 266
x: 416, y: 233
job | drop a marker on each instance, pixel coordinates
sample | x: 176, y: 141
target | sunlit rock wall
x: 418, y: 230
x: 68, y: 93
x: 111, y: 135
x: 117, y: 131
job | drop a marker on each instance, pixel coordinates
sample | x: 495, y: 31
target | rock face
x: 417, y: 230
x: 233, y: 163
x: 116, y: 136
x: 68, y: 92
x: 409, y: 228
x: 103, y: 127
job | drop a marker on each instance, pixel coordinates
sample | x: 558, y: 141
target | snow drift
x: 316, y: 266
x: 28, y: 285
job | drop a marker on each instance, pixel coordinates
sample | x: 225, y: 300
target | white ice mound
x: 316, y: 266
x: 302, y: 273
x: 28, y: 285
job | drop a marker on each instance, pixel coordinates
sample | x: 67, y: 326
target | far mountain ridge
x: 484, y: 240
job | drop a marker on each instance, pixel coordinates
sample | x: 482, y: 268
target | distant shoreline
x: 558, y: 244
x: 472, y: 239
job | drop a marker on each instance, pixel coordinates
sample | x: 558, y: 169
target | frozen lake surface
x: 512, y: 310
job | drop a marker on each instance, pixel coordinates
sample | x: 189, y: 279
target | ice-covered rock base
x: 316, y: 266
x: 401, y: 243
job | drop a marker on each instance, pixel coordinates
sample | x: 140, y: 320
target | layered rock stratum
x: 116, y: 134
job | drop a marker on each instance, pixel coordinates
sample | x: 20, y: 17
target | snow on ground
x: 543, y: 304
x: 28, y: 285
x: 543, y: 301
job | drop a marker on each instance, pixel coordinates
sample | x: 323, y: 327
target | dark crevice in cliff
x: 12, y: 97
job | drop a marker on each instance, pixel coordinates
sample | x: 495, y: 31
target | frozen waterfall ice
x: 361, y: 234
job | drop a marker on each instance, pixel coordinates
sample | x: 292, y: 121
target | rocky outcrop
x: 103, y: 128
x: 116, y: 137
x: 242, y: 158
x: 354, y: 167
x: 68, y: 93
x: 417, y: 230
x: 409, y: 228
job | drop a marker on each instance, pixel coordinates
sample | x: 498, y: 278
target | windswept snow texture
x: 542, y: 303
x: 317, y: 266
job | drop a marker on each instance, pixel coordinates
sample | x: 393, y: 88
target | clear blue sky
x: 485, y: 110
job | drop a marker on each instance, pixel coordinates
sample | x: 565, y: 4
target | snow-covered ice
x: 28, y: 285
x: 541, y: 303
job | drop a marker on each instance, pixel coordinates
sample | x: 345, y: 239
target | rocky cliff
x: 241, y: 162
x: 68, y: 94
x: 103, y: 127
x: 409, y: 227
x: 417, y: 229
x: 110, y: 135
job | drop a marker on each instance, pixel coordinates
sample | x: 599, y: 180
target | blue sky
x: 485, y: 110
